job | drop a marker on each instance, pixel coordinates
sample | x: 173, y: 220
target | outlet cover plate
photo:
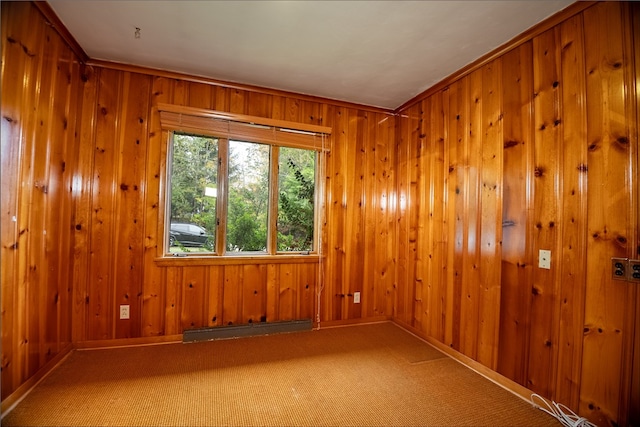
x: 544, y: 259
x: 124, y: 311
x: 356, y: 297
x: 619, y: 268
x: 634, y: 270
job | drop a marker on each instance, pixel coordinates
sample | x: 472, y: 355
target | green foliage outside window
x: 194, y: 168
x: 193, y: 195
x: 296, y: 191
x: 248, y: 205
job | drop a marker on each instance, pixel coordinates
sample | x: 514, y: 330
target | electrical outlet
x: 634, y: 270
x: 124, y: 311
x: 619, y: 268
x: 356, y: 297
x: 544, y: 259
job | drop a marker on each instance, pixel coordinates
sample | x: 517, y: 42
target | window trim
x: 228, y: 126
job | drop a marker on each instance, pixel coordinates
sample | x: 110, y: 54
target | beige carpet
x: 365, y: 375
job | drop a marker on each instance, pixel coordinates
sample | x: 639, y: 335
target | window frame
x: 197, y: 122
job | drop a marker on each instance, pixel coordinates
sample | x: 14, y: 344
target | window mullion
x: 223, y: 195
x: 272, y: 228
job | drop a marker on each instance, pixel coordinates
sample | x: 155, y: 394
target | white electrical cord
x: 566, y: 416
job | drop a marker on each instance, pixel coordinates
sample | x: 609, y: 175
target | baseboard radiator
x: 248, y: 330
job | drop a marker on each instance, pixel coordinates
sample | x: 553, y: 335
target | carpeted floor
x: 364, y: 375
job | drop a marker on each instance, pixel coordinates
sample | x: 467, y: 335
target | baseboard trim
x: 493, y: 376
x: 128, y: 342
x: 21, y: 392
x: 349, y: 322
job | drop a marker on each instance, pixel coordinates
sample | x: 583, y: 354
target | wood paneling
x: 609, y: 304
x: 517, y: 257
x: 94, y: 193
x: 435, y: 215
x: 541, y: 152
x: 128, y: 179
x: 545, y: 187
x: 574, y: 213
x: 40, y: 105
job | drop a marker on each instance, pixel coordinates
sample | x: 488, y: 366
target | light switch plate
x: 544, y: 259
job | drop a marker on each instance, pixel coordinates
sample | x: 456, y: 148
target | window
x: 245, y: 192
x: 296, y: 201
x: 194, y: 180
x: 248, y: 199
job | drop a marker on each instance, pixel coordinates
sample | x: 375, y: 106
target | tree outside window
x: 241, y: 205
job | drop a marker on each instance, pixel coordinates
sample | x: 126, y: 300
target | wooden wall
x: 536, y: 149
x: 436, y: 214
x: 83, y: 173
x: 118, y: 239
x: 40, y: 102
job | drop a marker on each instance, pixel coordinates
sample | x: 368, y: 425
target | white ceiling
x: 377, y: 53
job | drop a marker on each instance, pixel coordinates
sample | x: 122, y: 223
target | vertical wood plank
x: 457, y: 141
x: 200, y: 95
x: 490, y: 251
x: 259, y: 104
x: 39, y: 204
x: 237, y: 103
x: 232, y: 295
x: 292, y: 109
x: 254, y: 293
x: 471, y: 257
x: 71, y: 125
x: 386, y: 227
x: 574, y: 214
x: 416, y: 203
x: 355, y: 202
x: 173, y: 300
x: 153, y: 285
x: 609, y: 163
x: 101, y: 280
x: 517, y: 89
x: 337, y: 212
x: 193, y: 288
x: 214, y: 295
x: 83, y: 191
x: 547, y: 102
x: 437, y: 206
x: 402, y: 272
x: 307, y: 274
x: 59, y: 201
x: 422, y: 223
x: 634, y: 395
x: 129, y: 237
x: 273, y: 292
x: 370, y: 199
x: 221, y: 98
x: 287, y: 292
x: 381, y: 256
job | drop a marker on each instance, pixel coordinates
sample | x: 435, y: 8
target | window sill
x: 195, y: 260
